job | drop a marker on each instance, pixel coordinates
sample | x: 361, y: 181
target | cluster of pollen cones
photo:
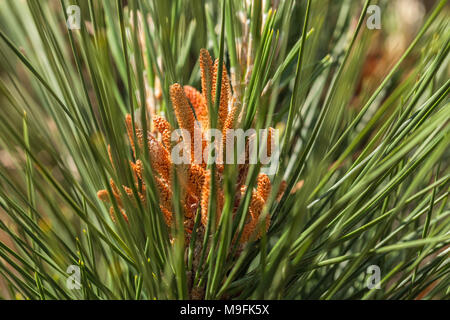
x: 195, y: 179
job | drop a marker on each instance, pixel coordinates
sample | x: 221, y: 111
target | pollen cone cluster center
x: 191, y: 111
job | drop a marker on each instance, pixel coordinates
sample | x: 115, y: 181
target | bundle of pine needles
x: 93, y: 206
